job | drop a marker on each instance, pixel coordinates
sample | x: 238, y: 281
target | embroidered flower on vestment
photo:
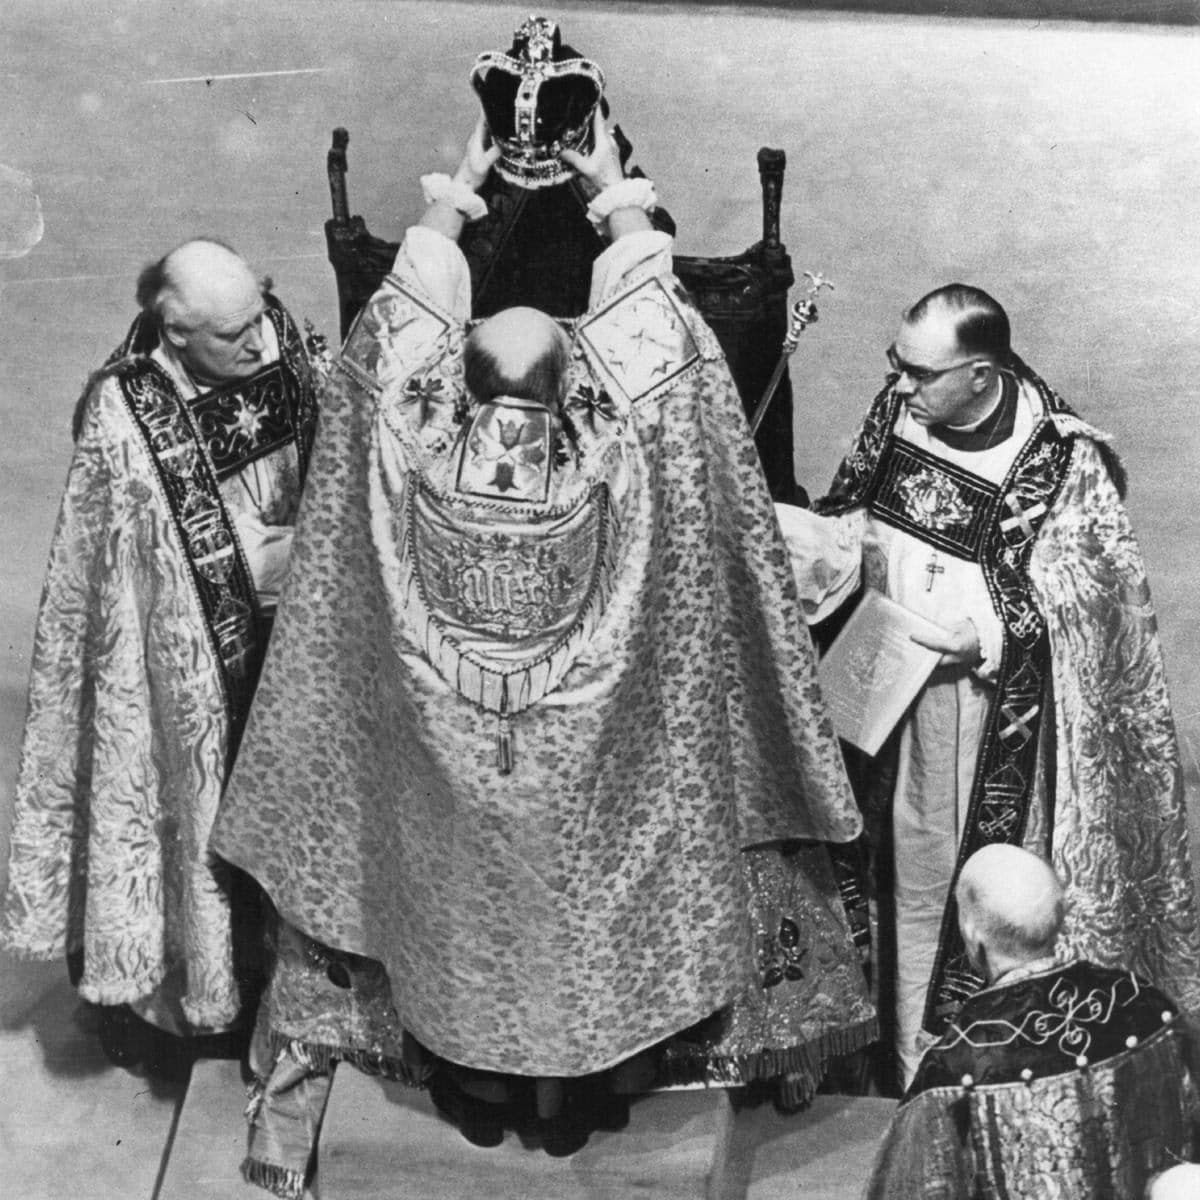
x: 781, y: 956
x: 590, y: 404
x: 933, y: 501
x: 424, y: 392
x: 246, y: 420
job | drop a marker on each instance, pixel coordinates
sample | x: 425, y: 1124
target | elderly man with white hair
x: 191, y: 446
x: 1059, y: 1078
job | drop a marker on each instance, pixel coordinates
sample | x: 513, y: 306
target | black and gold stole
x: 971, y: 518
x: 194, y: 446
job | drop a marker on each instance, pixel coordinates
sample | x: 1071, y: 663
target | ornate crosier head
x: 538, y: 98
x: 804, y: 312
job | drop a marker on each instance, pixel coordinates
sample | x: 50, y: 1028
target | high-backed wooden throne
x: 744, y: 297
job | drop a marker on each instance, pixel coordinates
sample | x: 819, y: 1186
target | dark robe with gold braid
x: 1069, y: 1082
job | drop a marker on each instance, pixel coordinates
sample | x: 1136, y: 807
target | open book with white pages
x: 873, y: 670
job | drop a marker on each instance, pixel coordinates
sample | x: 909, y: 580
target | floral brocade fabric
x: 557, y: 917
x: 148, y: 639
x: 806, y: 1004
x: 125, y: 745
x: 1120, y: 835
x: 807, y: 1001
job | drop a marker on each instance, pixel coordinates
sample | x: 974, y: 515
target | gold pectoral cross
x: 933, y: 569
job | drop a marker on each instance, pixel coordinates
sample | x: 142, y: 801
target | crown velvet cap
x: 538, y: 98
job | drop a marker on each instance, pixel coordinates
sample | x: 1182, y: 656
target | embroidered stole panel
x: 1040, y: 1025
x: 194, y: 446
x: 245, y: 421
x: 964, y: 515
x: 933, y: 500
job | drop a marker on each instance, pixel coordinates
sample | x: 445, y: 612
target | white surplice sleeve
x: 646, y: 252
x: 826, y: 554
x: 429, y: 262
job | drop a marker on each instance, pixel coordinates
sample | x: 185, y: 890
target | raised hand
x: 602, y: 166
x: 481, y: 153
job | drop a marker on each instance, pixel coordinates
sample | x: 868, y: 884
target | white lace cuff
x: 628, y: 193
x: 441, y: 188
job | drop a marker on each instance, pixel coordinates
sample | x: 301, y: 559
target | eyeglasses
x: 922, y: 375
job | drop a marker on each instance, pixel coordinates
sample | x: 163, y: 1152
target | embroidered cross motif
x: 1018, y: 723
x: 1022, y: 517
x: 424, y: 394
x: 641, y: 341
x: 506, y: 454
x: 646, y: 343
x: 395, y: 334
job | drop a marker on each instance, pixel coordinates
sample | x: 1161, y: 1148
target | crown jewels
x: 538, y: 98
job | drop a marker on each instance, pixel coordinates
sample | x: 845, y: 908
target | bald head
x: 1180, y: 1182
x: 207, y: 283
x: 1010, y: 908
x: 196, y: 279
x: 208, y: 305
x: 520, y: 352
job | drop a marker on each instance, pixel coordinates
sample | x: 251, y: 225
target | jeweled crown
x: 538, y: 98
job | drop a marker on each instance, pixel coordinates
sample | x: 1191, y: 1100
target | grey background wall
x: 1055, y: 164
x: 1156, y: 12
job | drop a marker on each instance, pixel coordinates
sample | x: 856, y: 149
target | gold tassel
x: 504, y: 746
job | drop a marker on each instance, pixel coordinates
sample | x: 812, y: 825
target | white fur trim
x: 461, y: 198
x: 628, y: 193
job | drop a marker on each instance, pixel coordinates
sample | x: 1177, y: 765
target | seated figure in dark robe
x: 1059, y: 1078
x: 535, y: 246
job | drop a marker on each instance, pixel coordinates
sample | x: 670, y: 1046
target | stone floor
x: 1055, y: 164
x: 74, y: 1125
x: 382, y: 1140
x: 71, y: 1124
